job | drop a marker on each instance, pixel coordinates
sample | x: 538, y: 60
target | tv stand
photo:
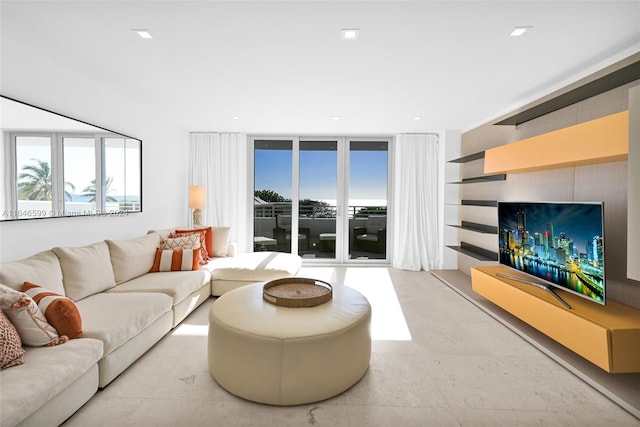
x: 537, y: 285
x: 606, y: 335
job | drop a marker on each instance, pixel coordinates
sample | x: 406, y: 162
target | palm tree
x: 90, y: 190
x: 35, y: 182
x: 269, y: 196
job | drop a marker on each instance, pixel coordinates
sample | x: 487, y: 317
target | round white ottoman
x: 288, y: 356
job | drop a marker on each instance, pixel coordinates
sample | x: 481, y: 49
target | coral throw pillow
x: 176, y: 260
x: 25, y: 315
x: 61, y: 312
x: 11, y: 351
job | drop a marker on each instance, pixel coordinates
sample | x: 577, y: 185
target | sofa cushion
x: 86, y: 270
x: 11, y: 351
x: 255, y: 266
x: 61, y: 312
x: 133, y: 258
x: 48, y: 371
x: 25, y: 315
x: 43, y: 268
x: 115, y: 318
x: 176, y: 284
x: 176, y: 260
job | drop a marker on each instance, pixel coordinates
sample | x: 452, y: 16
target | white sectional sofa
x: 125, y: 310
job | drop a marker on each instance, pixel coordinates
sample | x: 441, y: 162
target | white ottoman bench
x: 288, y: 356
x: 243, y: 269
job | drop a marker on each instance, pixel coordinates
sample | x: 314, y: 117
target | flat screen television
x: 560, y: 244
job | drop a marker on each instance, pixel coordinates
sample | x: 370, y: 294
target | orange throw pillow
x: 176, y: 260
x: 61, y: 312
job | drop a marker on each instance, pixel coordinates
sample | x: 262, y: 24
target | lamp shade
x: 196, y: 197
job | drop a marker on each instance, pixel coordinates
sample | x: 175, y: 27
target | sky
x: 318, y: 174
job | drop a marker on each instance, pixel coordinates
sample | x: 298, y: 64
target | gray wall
x: 598, y: 182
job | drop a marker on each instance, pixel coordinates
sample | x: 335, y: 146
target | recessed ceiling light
x: 518, y: 31
x: 236, y: 117
x: 145, y: 34
x: 335, y: 118
x: 350, y: 33
x: 417, y: 118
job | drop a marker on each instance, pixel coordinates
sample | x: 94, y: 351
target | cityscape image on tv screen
x: 561, y: 243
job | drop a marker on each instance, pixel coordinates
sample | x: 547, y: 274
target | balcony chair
x: 282, y: 233
x: 372, y: 237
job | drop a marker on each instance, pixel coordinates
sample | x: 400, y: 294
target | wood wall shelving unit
x: 601, y: 140
x: 477, y: 227
x: 481, y: 254
x: 468, y: 158
x: 476, y: 252
x: 485, y: 203
x: 483, y: 178
x: 608, y: 336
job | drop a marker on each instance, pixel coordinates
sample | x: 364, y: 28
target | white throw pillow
x: 220, y: 241
x: 86, y: 270
x: 25, y: 315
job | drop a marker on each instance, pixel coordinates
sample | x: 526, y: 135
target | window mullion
x: 57, y: 174
x: 100, y: 174
x: 295, y: 194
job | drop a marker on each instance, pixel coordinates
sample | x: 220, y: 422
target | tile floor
x: 437, y: 360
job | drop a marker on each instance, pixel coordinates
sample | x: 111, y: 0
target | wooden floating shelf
x: 602, y: 140
x: 483, y: 178
x: 469, y: 158
x: 476, y: 252
x: 487, y: 203
x: 477, y: 227
x: 608, y: 336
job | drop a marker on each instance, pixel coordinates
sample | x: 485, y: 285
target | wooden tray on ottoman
x: 297, y: 292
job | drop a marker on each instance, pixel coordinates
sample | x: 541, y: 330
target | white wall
x: 43, y: 80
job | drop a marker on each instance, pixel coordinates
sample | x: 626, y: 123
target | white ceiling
x: 281, y: 67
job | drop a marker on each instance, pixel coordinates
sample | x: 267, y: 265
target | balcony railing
x: 272, y: 209
x: 318, y: 220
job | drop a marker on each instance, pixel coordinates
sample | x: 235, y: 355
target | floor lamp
x: 196, y: 202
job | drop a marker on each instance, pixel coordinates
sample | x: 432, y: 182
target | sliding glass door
x: 318, y: 200
x: 324, y: 199
x: 368, y: 194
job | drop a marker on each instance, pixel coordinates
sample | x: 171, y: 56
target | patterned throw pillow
x: 176, y: 260
x: 191, y: 241
x: 61, y: 312
x: 201, y: 234
x: 11, y: 351
x: 25, y: 315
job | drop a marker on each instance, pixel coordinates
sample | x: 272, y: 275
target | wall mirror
x: 57, y: 166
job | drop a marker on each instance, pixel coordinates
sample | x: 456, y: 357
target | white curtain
x: 416, y: 241
x: 219, y: 162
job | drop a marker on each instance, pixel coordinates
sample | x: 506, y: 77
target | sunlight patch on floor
x: 189, y: 330
x: 387, y: 320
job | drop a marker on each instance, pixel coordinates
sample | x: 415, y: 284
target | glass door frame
x: 345, y: 199
x: 342, y: 193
